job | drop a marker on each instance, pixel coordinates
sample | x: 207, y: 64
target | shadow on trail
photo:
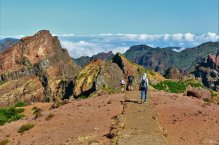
x: 133, y: 101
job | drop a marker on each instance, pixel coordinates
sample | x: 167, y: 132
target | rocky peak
x: 41, y: 57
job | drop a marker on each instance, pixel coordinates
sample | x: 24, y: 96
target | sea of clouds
x: 88, y: 45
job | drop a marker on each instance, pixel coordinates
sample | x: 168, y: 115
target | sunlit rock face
x: 36, y: 68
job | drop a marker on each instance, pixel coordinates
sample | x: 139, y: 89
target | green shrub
x: 83, y: 97
x: 10, y: 114
x: 37, y: 113
x: 25, y: 127
x: 49, y: 116
x: 177, y: 86
x: 20, y: 104
x: 4, y: 142
x: 2, y: 82
x: 111, y: 90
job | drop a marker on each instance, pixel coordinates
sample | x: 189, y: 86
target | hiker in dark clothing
x: 130, y: 82
x: 144, y: 87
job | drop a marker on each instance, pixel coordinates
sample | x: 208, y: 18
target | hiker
x: 122, y: 83
x: 144, y: 87
x: 130, y: 81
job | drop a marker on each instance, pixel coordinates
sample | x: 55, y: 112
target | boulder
x: 172, y: 73
x: 200, y: 93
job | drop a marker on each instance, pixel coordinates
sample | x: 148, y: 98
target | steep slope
x: 6, y: 43
x: 36, y: 68
x: 160, y: 59
x: 84, y: 60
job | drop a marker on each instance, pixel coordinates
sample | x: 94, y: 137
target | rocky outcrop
x: 98, y: 77
x: 208, y: 71
x: 172, y: 73
x: 200, y: 93
x: 35, y: 68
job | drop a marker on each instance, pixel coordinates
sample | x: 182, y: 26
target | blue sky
x: 26, y: 17
x: 87, y: 27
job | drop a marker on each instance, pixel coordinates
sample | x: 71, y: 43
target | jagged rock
x: 200, y: 93
x: 136, y: 70
x: 98, y: 77
x: 37, y: 64
x: 208, y: 71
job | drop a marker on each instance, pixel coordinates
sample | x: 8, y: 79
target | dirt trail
x: 140, y: 123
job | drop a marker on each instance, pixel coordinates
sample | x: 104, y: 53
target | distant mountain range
x: 82, y: 61
x: 160, y: 59
x: 6, y: 43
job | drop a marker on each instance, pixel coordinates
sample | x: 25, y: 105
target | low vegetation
x: 25, y: 127
x: 34, y: 108
x: 10, y: 114
x: 20, y: 104
x: 83, y: 97
x: 2, y: 82
x: 49, y: 116
x: 177, y: 86
x: 4, y: 142
x: 37, y: 112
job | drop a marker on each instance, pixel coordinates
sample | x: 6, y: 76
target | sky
x: 91, y: 26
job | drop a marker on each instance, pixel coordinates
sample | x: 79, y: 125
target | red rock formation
x: 208, y: 71
x: 41, y: 58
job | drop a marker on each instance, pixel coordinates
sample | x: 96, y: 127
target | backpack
x: 143, y: 85
x: 130, y: 78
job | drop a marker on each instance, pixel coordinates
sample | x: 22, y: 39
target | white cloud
x: 189, y: 37
x: 166, y: 37
x: 179, y: 50
x: 81, y: 45
x: 177, y: 37
x: 81, y: 48
x: 213, y: 36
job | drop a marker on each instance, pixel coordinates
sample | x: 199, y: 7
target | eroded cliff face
x: 208, y: 71
x: 36, y: 68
